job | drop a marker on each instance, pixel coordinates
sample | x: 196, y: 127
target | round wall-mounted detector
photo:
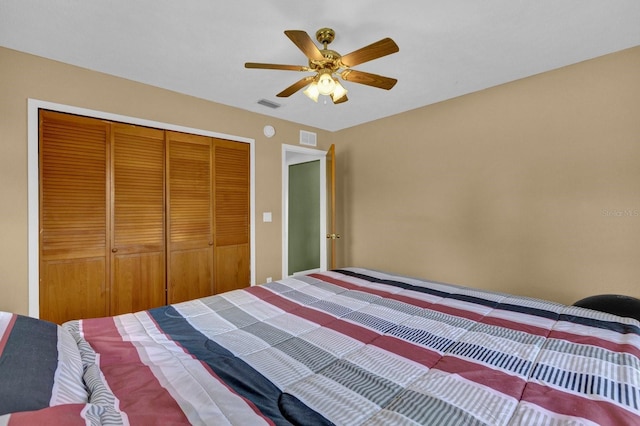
x: 269, y: 131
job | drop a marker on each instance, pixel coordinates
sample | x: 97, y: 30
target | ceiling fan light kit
x: 329, y: 66
x: 325, y: 84
x: 312, y: 92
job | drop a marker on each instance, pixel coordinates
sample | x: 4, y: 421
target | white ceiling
x: 448, y: 48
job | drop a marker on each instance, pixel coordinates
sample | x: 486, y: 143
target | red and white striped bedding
x: 357, y: 347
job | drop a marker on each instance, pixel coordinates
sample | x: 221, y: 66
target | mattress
x: 351, y: 346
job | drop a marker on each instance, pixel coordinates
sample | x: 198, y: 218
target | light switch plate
x: 266, y: 217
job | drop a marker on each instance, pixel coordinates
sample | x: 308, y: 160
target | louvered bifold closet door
x: 190, y: 216
x: 138, y: 238
x: 231, y: 186
x: 74, y: 230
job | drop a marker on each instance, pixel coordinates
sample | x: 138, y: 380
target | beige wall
x: 531, y: 187
x: 25, y: 76
x: 516, y: 188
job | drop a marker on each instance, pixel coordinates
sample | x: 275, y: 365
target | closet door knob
x: 210, y: 243
x: 114, y: 250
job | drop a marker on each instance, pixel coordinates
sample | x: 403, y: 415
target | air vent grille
x: 269, y: 104
x: 308, y: 138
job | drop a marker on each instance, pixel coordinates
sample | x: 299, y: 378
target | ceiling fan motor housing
x: 331, y: 61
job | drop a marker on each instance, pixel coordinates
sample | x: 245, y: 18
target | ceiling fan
x: 328, y: 64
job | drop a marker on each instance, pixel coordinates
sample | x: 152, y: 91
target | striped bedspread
x: 39, y: 365
x: 359, y: 347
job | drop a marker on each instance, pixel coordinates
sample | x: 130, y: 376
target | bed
x: 351, y: 346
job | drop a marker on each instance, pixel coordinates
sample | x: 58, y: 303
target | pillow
x: 39, y: 365
x: 616, y: 304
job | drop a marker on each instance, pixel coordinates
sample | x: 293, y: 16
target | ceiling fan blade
x: 369, y: 79
x: 295, y: 87
x: 304, y: 43
x: 376, y: 50
x: 340, y: 100
x: 276, y: 66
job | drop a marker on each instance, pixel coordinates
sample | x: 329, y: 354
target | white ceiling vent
x: 269, y: 104
x: 308, y: 138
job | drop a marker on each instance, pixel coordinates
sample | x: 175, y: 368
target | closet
x: 134, y: 217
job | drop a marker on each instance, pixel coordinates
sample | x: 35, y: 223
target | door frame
x: 292, y: 154
x: 33, y: 198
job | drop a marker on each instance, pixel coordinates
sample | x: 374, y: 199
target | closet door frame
x: 33, y: 107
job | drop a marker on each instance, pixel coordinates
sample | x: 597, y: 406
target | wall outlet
x: 269, y: 279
